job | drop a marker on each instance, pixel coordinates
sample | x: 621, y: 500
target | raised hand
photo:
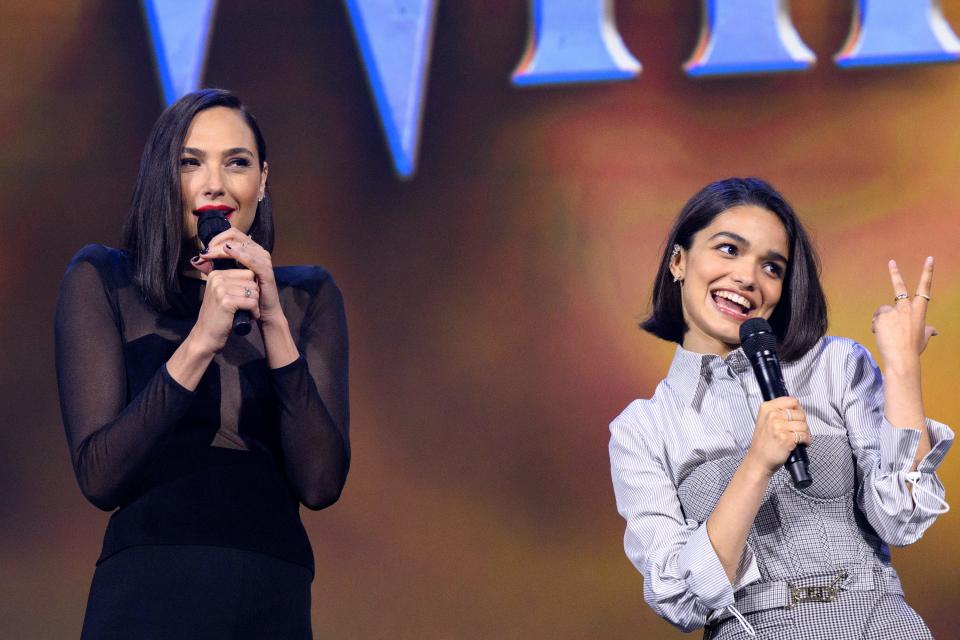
x: 901, y: 328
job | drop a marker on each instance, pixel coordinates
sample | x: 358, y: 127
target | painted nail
x: 195, y: 259
x: 228, y: 246
x: 203, y: 251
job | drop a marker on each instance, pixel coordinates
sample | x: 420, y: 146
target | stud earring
x: 678, y: 278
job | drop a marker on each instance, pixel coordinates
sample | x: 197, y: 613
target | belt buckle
x: 817, y: 593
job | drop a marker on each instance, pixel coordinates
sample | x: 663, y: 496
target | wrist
x: 755, y: 470
x: 273, y: 322
x: 902, y: 367
x: 196, y: 347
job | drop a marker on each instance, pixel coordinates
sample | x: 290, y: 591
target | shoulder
x: 99, y: 255
x: 642, y: 419
x: 308, y: 278
x: 111, y: 265
x: 831, y: 367
x: 832, y: 350
x: 838, y: 351
x: 310, y: 289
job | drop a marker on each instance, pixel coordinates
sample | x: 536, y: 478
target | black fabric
x: 224, y: 465
x: 197, y: 593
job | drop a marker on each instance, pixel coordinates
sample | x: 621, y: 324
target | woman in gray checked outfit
x: 715, y: 525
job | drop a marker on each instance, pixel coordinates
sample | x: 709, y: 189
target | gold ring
x: 925, y: 297
x: 901, y: 296
x: 796, y: 437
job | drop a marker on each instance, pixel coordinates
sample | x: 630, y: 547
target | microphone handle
x: 241, y: 319
x: 767, y: 369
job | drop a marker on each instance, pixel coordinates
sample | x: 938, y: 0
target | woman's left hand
x: 901, y: 329
x: 238, y: 246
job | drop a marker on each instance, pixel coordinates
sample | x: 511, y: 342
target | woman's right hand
x: 226, y: 292
x: 781, y: 425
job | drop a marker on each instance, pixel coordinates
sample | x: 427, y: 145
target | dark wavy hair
x: 799, y: 319
x: 153, y: 233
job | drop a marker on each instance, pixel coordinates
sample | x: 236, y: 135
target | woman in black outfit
x: 203, y: 443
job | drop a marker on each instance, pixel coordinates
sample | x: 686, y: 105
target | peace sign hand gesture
x: 901, y: 329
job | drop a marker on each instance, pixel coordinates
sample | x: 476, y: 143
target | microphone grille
x: 756, y: 335
x: 209, y: 224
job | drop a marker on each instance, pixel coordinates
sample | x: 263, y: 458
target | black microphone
x: 210, y: 223
x: 760, y: 346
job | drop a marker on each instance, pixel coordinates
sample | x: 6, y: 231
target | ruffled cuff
x: 899, y: 446
x: 701, y: 569
x: 941, y: 439
x: 902, y: 516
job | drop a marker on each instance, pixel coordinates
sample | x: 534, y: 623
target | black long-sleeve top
x: 226, y: 464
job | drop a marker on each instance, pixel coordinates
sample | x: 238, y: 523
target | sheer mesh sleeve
x: 314, y: 405
x: 111, y: 439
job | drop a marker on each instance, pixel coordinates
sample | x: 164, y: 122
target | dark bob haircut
x: 799, y: 319
x: 153, y: 233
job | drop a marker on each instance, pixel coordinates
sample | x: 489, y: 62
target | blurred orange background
x: 492, y: 301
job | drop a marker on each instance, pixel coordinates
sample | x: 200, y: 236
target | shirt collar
x: 691, y: 373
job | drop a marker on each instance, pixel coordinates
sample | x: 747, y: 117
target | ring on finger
x: 924, y: 296
x: 247, y: 292
x: 789, y: 415
x: 901, y: 296
x: 796, y: 437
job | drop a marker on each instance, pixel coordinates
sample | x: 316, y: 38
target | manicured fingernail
x: 203, y: 251
x: 228, y: 246
x: 195, y: 259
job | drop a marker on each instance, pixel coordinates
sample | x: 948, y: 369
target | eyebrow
x: 770, y: 255
x: 229, y: 152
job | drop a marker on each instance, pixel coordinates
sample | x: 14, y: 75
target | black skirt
x: 197, y: 592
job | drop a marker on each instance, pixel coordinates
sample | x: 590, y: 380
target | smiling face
x: 733, y: 270
x: 220, y: 168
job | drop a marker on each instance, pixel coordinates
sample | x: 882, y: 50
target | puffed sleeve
x: 313, y: 401
x: 111, y: 438
x: 885, y: 455
x: 683, y: 579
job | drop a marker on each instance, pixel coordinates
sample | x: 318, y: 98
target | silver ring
x: 247, y: 292
x: 789, y: 415
x: 796, y: 437
x: 901, y: 296
x: 925, y: 297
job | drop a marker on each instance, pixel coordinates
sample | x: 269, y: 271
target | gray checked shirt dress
x: 672, y: 457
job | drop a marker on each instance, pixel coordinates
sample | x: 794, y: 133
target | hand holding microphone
x: 211, y: 223
x: 781, y: 433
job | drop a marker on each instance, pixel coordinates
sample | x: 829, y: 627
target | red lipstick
x: 226, y: 210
